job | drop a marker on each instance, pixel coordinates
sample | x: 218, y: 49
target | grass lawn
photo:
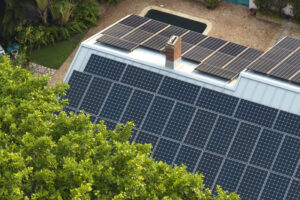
x: 53, y: 56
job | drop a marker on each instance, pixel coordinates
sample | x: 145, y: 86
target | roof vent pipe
x: 173, y: 52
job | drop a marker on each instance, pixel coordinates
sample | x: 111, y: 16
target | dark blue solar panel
x: 200, y: 129
x: 95, y: 95
x: 266, y: 149
x: 69, y: 110
x: 133, y: 134
x: 294, y: 191
x: 179, y: 90
x: 179, y: 121
x: 289, y: 123
x: 275, y: 187
x: 244, y: 142
x: 256, y: 113
x: 230, y: 175
x: 222, y: 135
x: 78, y: 84
x: 217, y: 101
x: 145, y: 138
x: 109, y: 124
x: 288, y: 156
x: 298, y: 172
x: 209, y: 166
x: 188, y: 156
x: 92, y: 119
x: 158, y: 115
x: 137, y: 107
x: 141, y: 78
x: 165, y: 151
x: 105, y: 67
x: 252, y: 183
x: 116, y: 102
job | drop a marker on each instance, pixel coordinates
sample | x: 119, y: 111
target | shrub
x: 211, y: 4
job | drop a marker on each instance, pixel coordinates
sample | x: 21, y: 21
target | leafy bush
x: 211, y: 3
x: 111, y: 1
x: 55, y: 156
x: 86, y: 12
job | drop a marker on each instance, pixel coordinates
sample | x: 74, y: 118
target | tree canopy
x: 46, y: 154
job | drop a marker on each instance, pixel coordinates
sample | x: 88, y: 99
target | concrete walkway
x: 229, y: 22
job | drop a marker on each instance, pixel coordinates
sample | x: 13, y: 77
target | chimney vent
x: 173, y: 52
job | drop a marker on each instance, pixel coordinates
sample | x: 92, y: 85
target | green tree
x: 55, y: 156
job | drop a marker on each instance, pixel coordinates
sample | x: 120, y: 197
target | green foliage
x: 211, y: 4
x: 86, y: 12
x: 108, y: 2
x: 54, y: 156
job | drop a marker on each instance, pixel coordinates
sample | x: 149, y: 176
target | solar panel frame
x: 216, y: 71
x: 173, y: 30
x: 212, y: 43
x: 118, y: 30
x: 156, y: 43
x: 232, y: 49
x: 137, y: 36
x: 116, y: 42
x: 134, y: 21
x: 193, y: 37
x: 197, y: 54
x: 153, y: 26
x: 188, y: 156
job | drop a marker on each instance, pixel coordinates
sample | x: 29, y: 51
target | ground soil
x: 229, y: 22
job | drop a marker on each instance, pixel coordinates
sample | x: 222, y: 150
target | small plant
x: 211, y: 4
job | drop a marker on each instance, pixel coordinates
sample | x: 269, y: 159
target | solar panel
x: 78, y: 84
x: 179, y: 121
x: 158, y: 115
x: 256, y: 113
x: 209, y: 166
x: 156, y: 43
x: 277, y: 54
x: 250, y: 54
x: 173, y: 30
x: 296, y: 79
x: 217, y: 101
x: 109, y: 124
x: 263, y: 65
x: 233, y: 142
x: 105, y: 67
x: 230, y: 175
x: 237, y: 65
x: 289, y: 43
x: 141, y: 78
x: 222, y: 135
x: 232, y: 49
x: 212, y: 43
x: 185, y: 46
x: 188, y: 156
x: 116, y: 42
x: 275, y: 187
x: 134, y: 21
x: 200, y: 128
x: 118, y: 30
x: 218, y: 60
x: 197, y: 54
x: 153, y: 26
x: 216, y: 71
x: 165, y: 151
x: 266, y: 149
x: 95, y: 95
x: 244, y: 142
x: 193, y: 37
x: 137, y: 36
x: 116, y: 102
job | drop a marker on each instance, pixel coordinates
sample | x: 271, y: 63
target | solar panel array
x: 282, y: 61
x: 217, y: 57
x: 245, y: 147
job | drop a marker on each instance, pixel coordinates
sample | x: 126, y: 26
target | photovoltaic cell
x: 137, y: 107
x: 95, y: 96
x: 193, y: 37
x: 153, y: 26
x: 294, y: 193
x: 134, y: 21
x: 218, y: 60
x: 144, y: 138
x: 288, y: 43
x: 179, y: 121
x: 250, y: 54
x: 230, y: 175
x: 158, y: 115
x: 118, y: 30
x: 68, y: 110
x: 109, y: 124
x: 216, y: 71
x: 141, y: 78
x: 217, y: 101
x: 209, y: 166
x: 92, y: 119
x: 200, y: 128
x: 117, y: 42
x: 288, y: 156
x: 256, y: 113
x: 156, y: 43
x: 266, y: 149
x: 78, y: 84
x: 289, y: 123
x: 285, y: 71
x: 133, y: 134
x: 197, y: 54
x: 237, y: 65
x: 188, y: 156
x: 277, y: 54
x: 116, y: 102
x: 105, y: 67
x: 232, y: 49
x: 165, y: 151
x: 275, y: 187
x: 185, y: 46
x: 263, y: 65
x: 173, y: 30
x: 298, y: 172
x: 212, y: 43
x: 244, y: 142
x: 222, y: 135
x: 179, y: 90
x: 137, y: 36
x: 252, y: 183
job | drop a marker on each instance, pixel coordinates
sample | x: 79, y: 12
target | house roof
x: 243, y: 135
